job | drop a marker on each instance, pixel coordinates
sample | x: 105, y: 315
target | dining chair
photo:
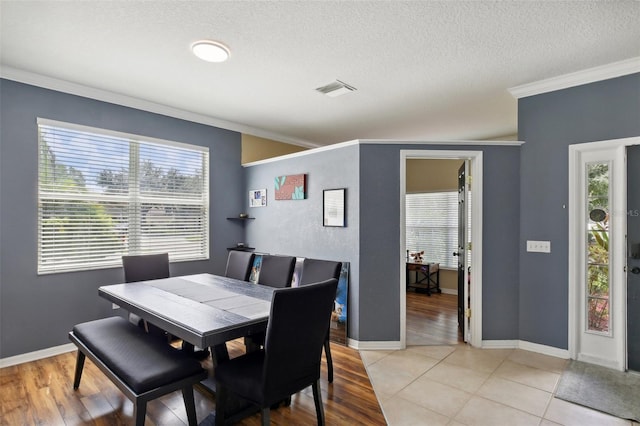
x: 145, y: 267
x: 276, y: 271
x: 315, y: 270
x: 290, y: 360
x: 239, y: 265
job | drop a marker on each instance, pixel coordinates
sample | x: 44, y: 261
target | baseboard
x: 544, y: 349
x: 600, y: 361
x: 449, y: 291
x: 499, y: 344
x: 527, y: 346
x: 375, y: 346
x: 36, y: 355
x: 352, y: 343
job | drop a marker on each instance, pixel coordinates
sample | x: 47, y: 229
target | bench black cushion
x: 143, y: 361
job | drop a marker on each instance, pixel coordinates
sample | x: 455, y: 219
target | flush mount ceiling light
x: 336, y: 88
x: 210, y: 51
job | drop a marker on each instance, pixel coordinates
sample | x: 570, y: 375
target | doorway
x: 603, y: 303
x: 432, y: 237
x: 473, y: 317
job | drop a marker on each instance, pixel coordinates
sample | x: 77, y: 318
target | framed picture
x: 258, y: 198
x: 291, y: 187
x: 333, y: 207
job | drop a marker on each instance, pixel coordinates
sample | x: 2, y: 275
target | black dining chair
x: 239, y: 265
x: 145, y: 267
x: 276, y: 271
x: 313, y: 271
x: 290, y: 360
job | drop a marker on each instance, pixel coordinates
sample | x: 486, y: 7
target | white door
x: 597, y: 285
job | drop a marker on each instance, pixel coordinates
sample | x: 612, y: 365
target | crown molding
x: 591, y: 75
x: 382, y: 142
x: 71, y: 88
x: 482, y: 142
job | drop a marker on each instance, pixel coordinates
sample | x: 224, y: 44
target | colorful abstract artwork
x: 291, y: 187
x: 338, y: 327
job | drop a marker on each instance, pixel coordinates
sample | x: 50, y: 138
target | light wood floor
x: 41, y: 393
x: 432, y: 320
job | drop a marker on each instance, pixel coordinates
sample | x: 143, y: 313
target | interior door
x: 463, y: 300
x: 633, y: 257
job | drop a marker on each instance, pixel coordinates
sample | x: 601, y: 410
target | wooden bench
x: 141, y: 365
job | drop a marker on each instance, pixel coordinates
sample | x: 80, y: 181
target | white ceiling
x: 423, y: 69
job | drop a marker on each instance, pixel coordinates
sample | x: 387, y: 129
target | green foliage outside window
x: 598, y: 254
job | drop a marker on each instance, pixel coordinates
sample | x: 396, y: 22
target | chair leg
x: 190, y: 405
x: 317, y: 398
x: 79, y: 367
x: 139, y: 411
x: 327, y: 353
x: 266, y: 416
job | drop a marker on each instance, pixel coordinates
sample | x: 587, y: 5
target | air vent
x: 336, y: 88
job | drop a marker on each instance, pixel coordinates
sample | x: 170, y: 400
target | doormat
x: 603, y: 389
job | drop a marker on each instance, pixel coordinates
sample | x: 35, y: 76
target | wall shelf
x: 241, y: 248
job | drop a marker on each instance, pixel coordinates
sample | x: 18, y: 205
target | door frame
x: 576, y: 258
x: 475, y: 157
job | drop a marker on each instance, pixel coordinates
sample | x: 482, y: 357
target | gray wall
x: 36, y: 312
x: 371, y: 240
x: 294, y: 227
x: 549, y: 123
x: 380, y: 240
x: 525, y: 197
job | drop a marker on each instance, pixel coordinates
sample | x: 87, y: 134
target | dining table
x: 205, y: 310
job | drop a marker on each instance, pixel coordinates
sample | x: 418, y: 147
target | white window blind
x: 432, y: 226
x: 104, y: 194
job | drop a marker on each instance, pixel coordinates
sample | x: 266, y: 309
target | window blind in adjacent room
x: 432, y: 226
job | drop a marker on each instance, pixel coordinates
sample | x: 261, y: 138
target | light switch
x: 539, y: 246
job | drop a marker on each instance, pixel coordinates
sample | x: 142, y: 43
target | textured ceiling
x: 422, y: 69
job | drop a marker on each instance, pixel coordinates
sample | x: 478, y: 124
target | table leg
x: 235, y: 408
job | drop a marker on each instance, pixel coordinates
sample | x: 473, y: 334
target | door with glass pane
x: 601, y: 258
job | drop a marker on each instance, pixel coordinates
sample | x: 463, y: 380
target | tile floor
x: 460, y: 385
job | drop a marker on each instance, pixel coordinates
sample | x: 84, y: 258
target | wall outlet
x: 539, y: 246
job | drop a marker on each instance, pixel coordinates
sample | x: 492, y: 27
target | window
x: 598, y: 290
x: 103, y: 194
x: 432, y: 226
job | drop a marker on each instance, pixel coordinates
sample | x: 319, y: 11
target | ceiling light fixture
x: 336, y: 88
x: 210, y: 51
